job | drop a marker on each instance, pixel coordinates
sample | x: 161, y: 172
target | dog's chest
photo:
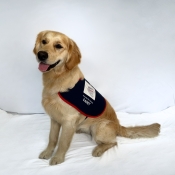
x: 57, y: 108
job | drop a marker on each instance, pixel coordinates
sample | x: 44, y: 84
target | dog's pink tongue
x: 43, y: 67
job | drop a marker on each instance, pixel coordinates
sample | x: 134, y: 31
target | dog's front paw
x: 46, y: 154
x: 56, y: 160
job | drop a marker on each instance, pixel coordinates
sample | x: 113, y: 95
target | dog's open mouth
x: 43, y: 67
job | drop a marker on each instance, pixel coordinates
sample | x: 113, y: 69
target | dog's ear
x: 74, y: 55
x: 38, y: 39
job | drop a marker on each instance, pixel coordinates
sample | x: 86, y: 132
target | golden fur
x: 64, y: 76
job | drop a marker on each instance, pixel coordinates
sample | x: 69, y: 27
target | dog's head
x: 55, y: 50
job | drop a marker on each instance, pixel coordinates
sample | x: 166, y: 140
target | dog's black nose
x: 42, y: 56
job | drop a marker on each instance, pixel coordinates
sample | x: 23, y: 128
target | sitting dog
x: 73, y: 103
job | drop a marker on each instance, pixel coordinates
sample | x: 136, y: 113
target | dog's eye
x: 58, y: 46
x: 44, y: 42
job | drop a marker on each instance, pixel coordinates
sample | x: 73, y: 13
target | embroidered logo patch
x: 89, y: 90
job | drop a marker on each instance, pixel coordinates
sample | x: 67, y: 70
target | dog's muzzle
x: 43, y: 67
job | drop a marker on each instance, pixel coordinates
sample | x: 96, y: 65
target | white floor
x: 23, y: 137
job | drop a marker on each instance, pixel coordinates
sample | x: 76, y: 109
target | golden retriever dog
x: 58, y: 57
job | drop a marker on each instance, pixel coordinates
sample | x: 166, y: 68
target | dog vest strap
x: 85, y: 98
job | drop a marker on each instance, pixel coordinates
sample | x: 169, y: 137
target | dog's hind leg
x: 104, y: 133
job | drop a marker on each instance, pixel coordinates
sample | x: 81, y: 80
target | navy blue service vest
x: 85, y: 98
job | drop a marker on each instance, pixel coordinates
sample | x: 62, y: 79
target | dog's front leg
x: 53, y: 139
x: 67, y: 133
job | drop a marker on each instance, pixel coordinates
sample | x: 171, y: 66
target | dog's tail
x: 148, y: 131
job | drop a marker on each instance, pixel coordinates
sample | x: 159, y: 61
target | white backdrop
x: 128, y: 50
